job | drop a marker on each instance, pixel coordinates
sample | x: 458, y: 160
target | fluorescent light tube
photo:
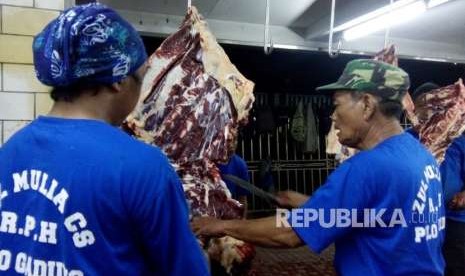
x: 431, y: 59
x: 390, y: 19
x: 434, y: 3
x: 373, y: 14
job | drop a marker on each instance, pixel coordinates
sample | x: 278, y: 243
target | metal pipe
x: 388, y: 30
x: 331, y: 33
x: 268, y: 43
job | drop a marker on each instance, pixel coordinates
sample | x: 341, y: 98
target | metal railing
x: 291, y: 168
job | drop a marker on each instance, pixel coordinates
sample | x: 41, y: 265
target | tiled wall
x: 22, y: 96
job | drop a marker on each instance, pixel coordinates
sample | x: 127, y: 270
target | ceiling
x: 439, y: 33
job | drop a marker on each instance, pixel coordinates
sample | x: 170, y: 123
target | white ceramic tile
x: 50, y: 4
x: 16, y: 49
x: 19, y: 77
x: 1, y: 77
x: 25, y: 21
x: 43, y: 104
x: 11, y: 127
x: 16, y: 106
x: 1, y: 133
x: 26, y: 3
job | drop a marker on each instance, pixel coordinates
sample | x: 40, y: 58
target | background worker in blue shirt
x: 238, y: 167
x: 78, y: 195
x: 453, y: 180
x: 392, y: 176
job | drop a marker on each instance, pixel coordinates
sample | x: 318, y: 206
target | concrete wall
x: 22, y: 96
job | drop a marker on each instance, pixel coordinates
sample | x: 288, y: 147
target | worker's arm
x: 243, y: 200
x: 339, y: 191
x: 292, y: 199
x: 262, y: 232
x: 458, y: 201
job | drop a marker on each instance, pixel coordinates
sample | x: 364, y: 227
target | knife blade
x: 252, y: 188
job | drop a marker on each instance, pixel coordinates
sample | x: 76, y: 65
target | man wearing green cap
x: 382, y: 208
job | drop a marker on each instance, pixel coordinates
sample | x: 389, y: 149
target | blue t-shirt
x: 452, y: 173
x: 398, y: 176
x: 412, y: 132
x: 237, y: 167
x: 82, y: 196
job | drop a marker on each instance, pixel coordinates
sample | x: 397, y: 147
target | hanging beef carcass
x: 446, y: 112
x: 445, y: 118
x: 193, y: 101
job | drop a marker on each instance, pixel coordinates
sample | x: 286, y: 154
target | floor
x: 295, y: 262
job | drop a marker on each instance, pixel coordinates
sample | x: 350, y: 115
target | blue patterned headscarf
x: 89, y: 42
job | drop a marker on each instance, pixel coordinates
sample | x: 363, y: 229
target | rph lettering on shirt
x: 426, y: 208
x: 37, y: 229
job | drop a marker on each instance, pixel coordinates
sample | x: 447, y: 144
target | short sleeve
x: 345, y: 189
x: 159, y: 210
x: 453, y: 171
x: 243, y: 173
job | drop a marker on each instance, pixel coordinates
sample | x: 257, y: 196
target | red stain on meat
x: 445, y: 120
x: 193, y: 102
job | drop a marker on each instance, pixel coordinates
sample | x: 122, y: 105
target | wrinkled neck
x: 379, y: 131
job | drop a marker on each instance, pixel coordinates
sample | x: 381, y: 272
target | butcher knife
x: 252, y: 188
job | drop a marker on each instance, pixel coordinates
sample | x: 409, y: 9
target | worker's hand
x: 208, y: 226
x: 458, y: 201
x: 291, y: 199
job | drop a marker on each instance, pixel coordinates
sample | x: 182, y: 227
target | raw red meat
x: 446, y: 118
x: 446, y: 112
x: 193, y: 102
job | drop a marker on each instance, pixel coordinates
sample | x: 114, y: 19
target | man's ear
x: 117, y: 86
x: 369, y: 106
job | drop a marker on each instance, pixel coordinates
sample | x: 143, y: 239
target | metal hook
x: 331, y: 33
x: 268, y: 41
x: 388, y: 30
x: 335, y: 54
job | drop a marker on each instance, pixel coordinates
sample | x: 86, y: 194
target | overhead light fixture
x: 434, y: 3
x: 398, y: 13
x: 431, y: 59
x: 373, y: 14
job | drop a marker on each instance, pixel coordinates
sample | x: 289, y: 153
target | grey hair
x: 387, y: 107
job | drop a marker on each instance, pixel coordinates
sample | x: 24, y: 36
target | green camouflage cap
x: 372, y: 76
